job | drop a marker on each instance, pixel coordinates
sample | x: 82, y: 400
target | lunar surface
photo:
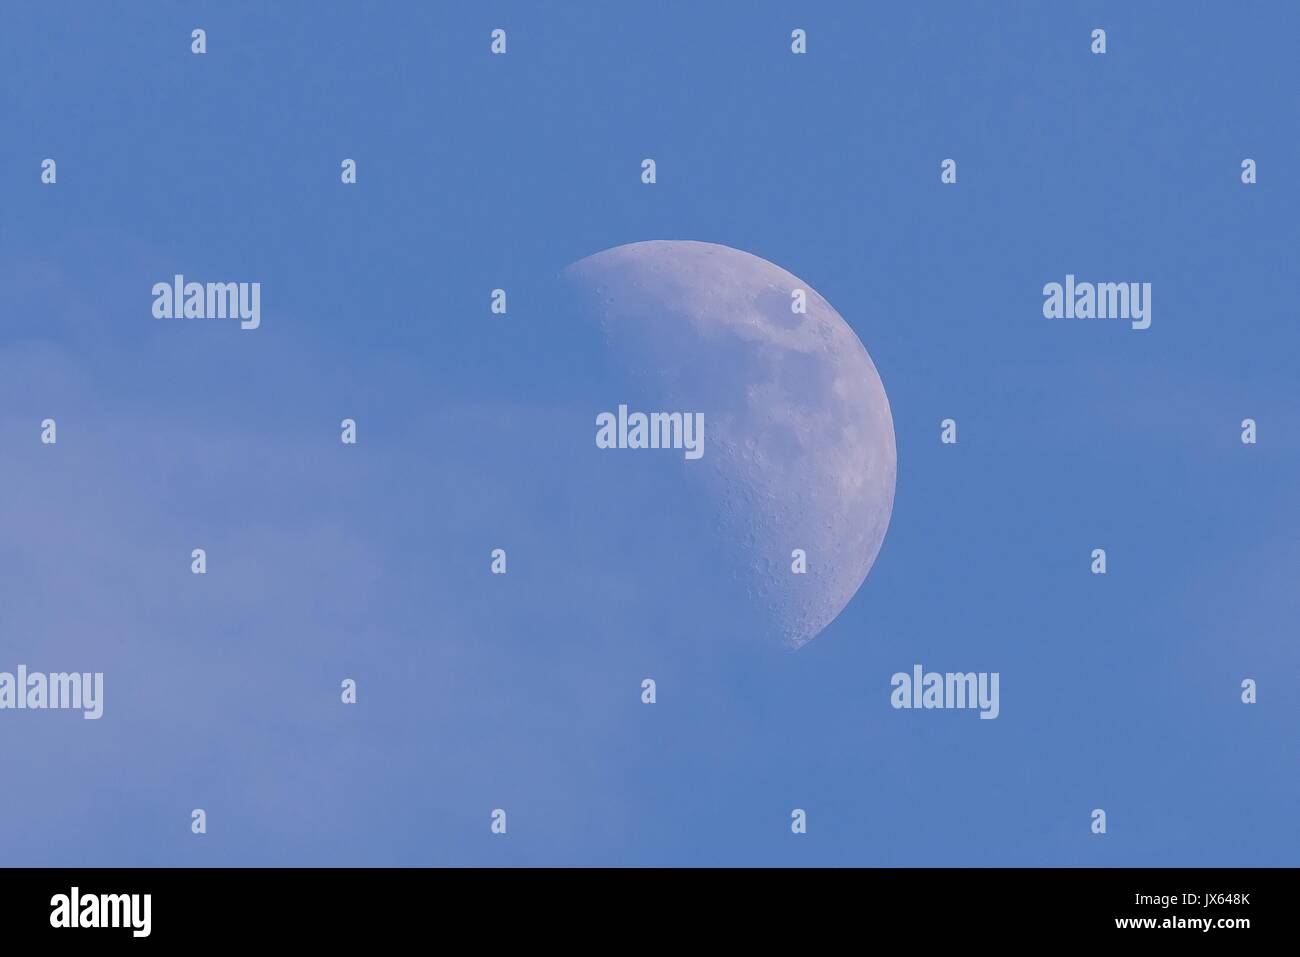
x: 799, y: 442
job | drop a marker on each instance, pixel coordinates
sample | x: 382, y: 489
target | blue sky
x: 522, y: 692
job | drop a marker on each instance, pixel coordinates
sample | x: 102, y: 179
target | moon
x: 799, y: 451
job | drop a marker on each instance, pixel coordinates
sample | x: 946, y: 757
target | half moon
x: 799, y: 449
